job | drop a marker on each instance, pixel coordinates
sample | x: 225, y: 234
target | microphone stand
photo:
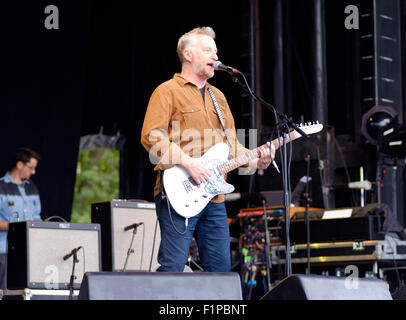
x: 267, y: 244
x: 286, y: 203
x: 284, y: 125
x: 130, y: 250
x: 307, y: 220
x: 72, y: 277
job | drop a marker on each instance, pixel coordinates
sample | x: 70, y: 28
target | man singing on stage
x: 180, y: 125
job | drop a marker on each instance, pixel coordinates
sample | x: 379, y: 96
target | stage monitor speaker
x: 315, y: 287
x: 160, y: 286
x: 113, y: 216
x: 36, y: 252
x: 399, y: 294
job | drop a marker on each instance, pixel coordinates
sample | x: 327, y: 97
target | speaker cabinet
x: 36, y: 251
x: 314, y: 287
x: 113, y: 216
x: 160, y: 286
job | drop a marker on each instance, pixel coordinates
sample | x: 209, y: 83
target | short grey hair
x: 184, y: 40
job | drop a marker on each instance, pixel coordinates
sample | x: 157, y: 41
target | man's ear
x: 19, y: 164
x: 187, y: 55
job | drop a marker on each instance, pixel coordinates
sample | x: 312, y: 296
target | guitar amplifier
x: 331, y: 226
x: 36, y: 252
x: 347, y: 251
x: 114, y: 216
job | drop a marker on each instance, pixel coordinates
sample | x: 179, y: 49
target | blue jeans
x: 211, y: 232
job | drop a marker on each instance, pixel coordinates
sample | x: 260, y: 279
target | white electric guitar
x: 188, y: 198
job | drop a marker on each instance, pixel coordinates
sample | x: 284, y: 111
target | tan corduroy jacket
x: 178, y: 118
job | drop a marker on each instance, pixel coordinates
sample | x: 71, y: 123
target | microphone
x: 133, y: 226
x: 299, y: 189
x: 218, y: 66
x: 66, y: 257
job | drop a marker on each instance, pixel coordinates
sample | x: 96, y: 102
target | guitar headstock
x: 310, y: 127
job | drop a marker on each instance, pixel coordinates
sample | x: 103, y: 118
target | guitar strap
x: 216, y: 106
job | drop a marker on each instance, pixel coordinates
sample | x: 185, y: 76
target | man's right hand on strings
x: 195, y: 169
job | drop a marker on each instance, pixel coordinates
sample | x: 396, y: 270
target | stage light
x: 378, y: 121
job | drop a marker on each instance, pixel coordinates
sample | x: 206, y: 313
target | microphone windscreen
x: 217, y: 64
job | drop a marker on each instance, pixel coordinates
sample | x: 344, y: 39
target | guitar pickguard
x: 216, y: 184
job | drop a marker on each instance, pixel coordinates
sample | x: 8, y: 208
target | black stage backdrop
x: 43, y: 79
x: 97, y: 70
x: 102, y: 64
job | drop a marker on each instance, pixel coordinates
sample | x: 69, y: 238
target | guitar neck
x: 239, y: 161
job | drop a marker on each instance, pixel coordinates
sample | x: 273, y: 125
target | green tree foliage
x: 97, y: 179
